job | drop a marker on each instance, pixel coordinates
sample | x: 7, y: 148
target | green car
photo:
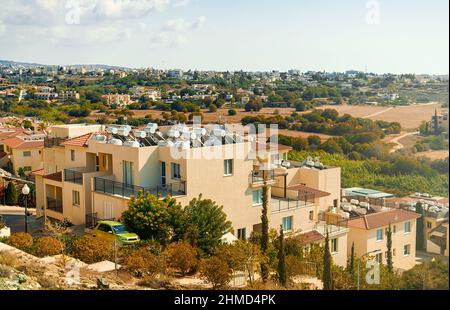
x: 111, y: 229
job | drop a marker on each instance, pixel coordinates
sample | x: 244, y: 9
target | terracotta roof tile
x: 311, y: 236
x: 78, y: 141
x: 40, y: 172
x: 381, y: 219
x: 17, y: 143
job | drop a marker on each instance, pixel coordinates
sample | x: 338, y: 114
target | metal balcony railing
x: 262, y: 175
x: 54, y: 205
x: 110, y: 187
x: 73, y: 176
x: 51, y: 142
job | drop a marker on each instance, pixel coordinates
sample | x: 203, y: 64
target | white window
x: 287, y: 223
x: 27, y: 154
x: 242, y: 233
x: 75, y: 198
x: 406, y: 250
x: 407, y: 227
x: 176, y: 171
x: 379, y: 234
x: 257, y: 197
x: 311, y: 215
x: 334, y: 245
x: 228, y: 167
x: 72, y: 155
x: 429, y: 225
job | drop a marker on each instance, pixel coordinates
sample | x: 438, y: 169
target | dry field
x: 410, y: 117
x: 433, y: 155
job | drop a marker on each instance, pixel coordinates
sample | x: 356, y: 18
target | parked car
x: 111, y: 229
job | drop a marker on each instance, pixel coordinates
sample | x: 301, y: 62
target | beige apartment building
x: 22, y: 152
x: 368, y: 234
x: 91, y: 171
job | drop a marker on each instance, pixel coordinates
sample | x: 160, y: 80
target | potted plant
x: 4, y: 230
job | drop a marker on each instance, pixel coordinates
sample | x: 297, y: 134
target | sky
x: 401, y: 36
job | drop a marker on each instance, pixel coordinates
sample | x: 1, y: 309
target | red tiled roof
x: 311, y: 236
x: 16, y: 143
x: 6, y: 133
x: 381, y: 219
x: 303, y: 189
x: 40, y: 172
x: 78, y: 141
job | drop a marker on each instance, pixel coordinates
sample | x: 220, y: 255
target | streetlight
x: 25, y: 192
x: 359, y: 262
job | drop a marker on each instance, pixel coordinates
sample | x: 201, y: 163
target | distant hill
x: 8, y: 63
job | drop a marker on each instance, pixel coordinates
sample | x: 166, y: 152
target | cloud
x: 181, y: 3
x: 173, y: 32
x: 180, y: 24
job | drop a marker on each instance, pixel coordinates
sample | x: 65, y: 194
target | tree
x: 264, y: 230
x: 11, y: 194
x: 206, y: 223
x: 232, y: 112
x: 420, y: 234
x: 426, y: 276
x: 389, y: 262
x: 351, y: 264
x: 281, y: 259
x: 153, y: 218
x: 327, y: 263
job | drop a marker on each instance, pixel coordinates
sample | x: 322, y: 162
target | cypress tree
x: 326, y: 275
x: 282, y: 260
x: 351, y: 264
x: 389, y: 262
x: 265, y: 231
x: 420, y: 237
x: 11, y: 194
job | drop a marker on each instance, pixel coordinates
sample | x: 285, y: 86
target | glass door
x: 163, y: 174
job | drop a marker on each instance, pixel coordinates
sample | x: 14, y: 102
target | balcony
x: 285, y: 199
x: 73, y: 176
x: 51, y: 142
x: 110, y: 187
x: 258, y: 177
x: 54, y: 205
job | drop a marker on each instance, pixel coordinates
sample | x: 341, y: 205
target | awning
x: 305, y: 190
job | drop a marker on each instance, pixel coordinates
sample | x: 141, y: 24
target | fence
x: 73, y: 176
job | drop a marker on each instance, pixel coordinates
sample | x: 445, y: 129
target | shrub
x: 142, y: 263
x: 21, y: 240
x: 47, y: 246
x: 2, y: 222
x: 212, y: 108
x: 7, y: 258
x: 215, y: 271
x: 47, y: 282
x: 232, y: 112
x: 182, y: 256
x: 5, y: 271
x: 90, y: 249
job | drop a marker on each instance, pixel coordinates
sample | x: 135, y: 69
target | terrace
x: 110, y: 187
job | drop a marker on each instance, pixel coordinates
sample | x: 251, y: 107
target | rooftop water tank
x: 115, y: 142
x: 130, y: 143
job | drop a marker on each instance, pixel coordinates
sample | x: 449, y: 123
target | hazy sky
x: 400, y: 36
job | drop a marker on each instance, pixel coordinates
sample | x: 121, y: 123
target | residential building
x: 118, y: 99
x: 368, y: 234
x: 92, y: 174
x: 439, y: 123
x: 68, y: 95
x: 23, y: 152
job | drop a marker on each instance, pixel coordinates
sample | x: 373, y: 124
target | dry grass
x: 433, y: 155
x: 8, y: 259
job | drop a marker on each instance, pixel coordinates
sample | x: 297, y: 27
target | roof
x: 17, y: 143
x: 303, y: 189
x: 6, y: 133
x: 78, y: 141
x: 381, y: 219
x: 39, y: 172
x: 311, y: 236
x: 279, y: 148
x: 371, y: 193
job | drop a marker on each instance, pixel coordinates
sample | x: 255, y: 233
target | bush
x: 21, y: 240
x: 5, y: 271
x: 8, y: 259
x: 2, y: 222
x: 48, y: 246
x: 91, y: 249
x: 182, y: 256
x: 232, y: 112
x: 212, y: 108
x: 142, y: 263
x: 215, y: 271
x: 47, y: 282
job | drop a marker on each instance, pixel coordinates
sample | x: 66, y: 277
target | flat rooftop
x: 370, y: 193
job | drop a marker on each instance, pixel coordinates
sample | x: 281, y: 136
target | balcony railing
x: 54, y: 205
x: 73, y: 176
x: 110, y: 187
x: 262, y: 175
